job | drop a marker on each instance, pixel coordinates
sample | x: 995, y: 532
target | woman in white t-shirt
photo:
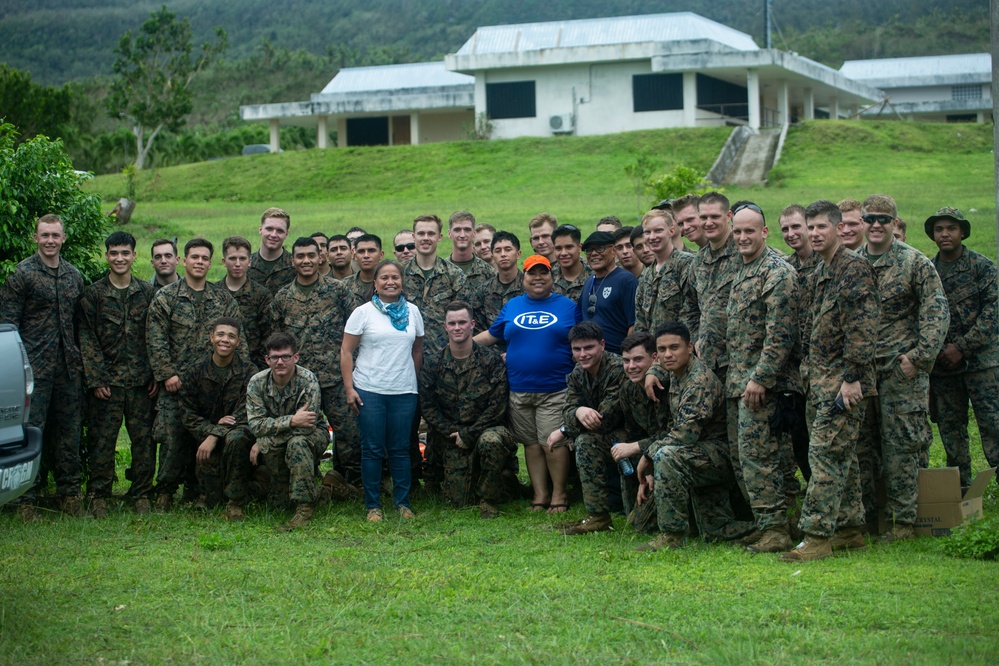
x: 381, y: 387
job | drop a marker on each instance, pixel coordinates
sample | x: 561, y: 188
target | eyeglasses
x: 599, y: 250
x: 406, y: 246
x: 751, y: 206
x: 877, y: 218
x: 280, y: 358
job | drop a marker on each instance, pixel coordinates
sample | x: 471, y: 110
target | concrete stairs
x: 746, y: 158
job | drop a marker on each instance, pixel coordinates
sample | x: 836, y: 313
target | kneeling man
x: 463, y: 395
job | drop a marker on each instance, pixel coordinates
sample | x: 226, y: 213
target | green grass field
x: 187, y: 588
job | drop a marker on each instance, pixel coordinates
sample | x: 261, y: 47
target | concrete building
x: 584, y: 77
x: 953, y: 88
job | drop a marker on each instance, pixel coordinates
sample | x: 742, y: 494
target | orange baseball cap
x: 536, y: 260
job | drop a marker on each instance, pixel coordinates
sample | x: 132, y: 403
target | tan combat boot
x: 665, y: 541
x: 164, y: 503
x: 810, y: 549
x: 848, y: 538
x: 899, y: 532
x: 487, y: 510
x: 600, y: 522
x: 71, y: 506
x: 142, y: 506
x: 773, y: 540
x: 302, y: 517
x: 337, y: 487
x: 99, y: 508
x: 234, y: 512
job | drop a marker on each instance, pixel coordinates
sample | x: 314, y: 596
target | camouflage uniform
x: 914, y: 321
x: 42, y: 302
x: 254, y: 301
x: 712, y: 272
x: 291, y: 454
x: 691, y: 459
x: 316, y: 318
x: 598, y: 472
x: 845, y: 308
x: 113, y: 346
x: 271, y: 275
x: 644, y: 420
x: 970, y: 284
x: 431, y: 295
x: 177, y: 337
x: 360, y: 290
x: 208, y: 394
x: 468, y: 396
x: 490, y: 297
x: 570, y: 288
x: 662, y: 293
x: 476, y: 273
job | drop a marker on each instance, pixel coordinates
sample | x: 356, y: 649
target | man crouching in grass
x: 213, y: 410
x: 281, y: 405
x: 692, y: 459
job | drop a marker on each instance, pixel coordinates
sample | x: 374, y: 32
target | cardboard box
x: 939, y: 506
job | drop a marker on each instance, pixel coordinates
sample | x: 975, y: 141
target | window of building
x: 368, y: 131
x: 966, y: 91
x: 514, y: 99
x: 962, y: 118
x: 657, y: 92
x: 722, y: 97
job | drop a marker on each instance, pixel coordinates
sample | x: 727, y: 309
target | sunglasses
x: 877, y: 218
x: 751, y: 206
x: 407, y: 246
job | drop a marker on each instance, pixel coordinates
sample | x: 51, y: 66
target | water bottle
x: 626, y: 467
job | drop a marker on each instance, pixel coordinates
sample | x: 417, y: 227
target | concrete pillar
x: 275, y: 126
x: 753, y: 95
x: 853, y: 112
x: 834, y: 108
x: 689, y: 99
x: 322, y: 132
x: 980, y: 118
x: 783, y: 106
x: 341, y: 132
x: 414, y: 128
x: 391, y: 133
x: 480, y: 92
x: 809, y: 111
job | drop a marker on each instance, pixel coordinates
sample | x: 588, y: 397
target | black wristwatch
x: 561, y: 429
x: 849, y: 378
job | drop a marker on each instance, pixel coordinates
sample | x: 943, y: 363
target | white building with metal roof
x: 952, y: 88
x: 585, y: 77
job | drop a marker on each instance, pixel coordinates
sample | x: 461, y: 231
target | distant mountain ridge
x: 65, y: 40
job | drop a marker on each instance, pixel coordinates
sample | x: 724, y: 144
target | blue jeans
x: 384, y: 422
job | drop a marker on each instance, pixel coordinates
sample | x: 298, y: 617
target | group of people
x: 685, y: 387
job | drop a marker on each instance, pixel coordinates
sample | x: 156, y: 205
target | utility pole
x: 767, y: 9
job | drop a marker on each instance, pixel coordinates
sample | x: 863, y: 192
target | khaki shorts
x: 534, y: 416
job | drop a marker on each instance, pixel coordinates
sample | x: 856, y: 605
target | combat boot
x: 164, y: 503
x: 71, y: 506
x: 599, y: 522
x: 810, y: 549
x: 28, y: 513
x: 142, y: 506
x: 99, y: 508
x: 201, y: 504
x: 337, y: 487
x: 750, y: 538
x: 665, y: 541
x: 848, y: 538
x: 773, y: 540
x: 487, y: 510
x: 898, y: 532
x: 234, y: 512
x: 302, y: 517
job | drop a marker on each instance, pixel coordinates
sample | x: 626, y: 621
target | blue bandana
x: 398, y: 312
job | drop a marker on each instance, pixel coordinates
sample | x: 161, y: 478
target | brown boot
x: 810, y: 549
x: 773, y: 540
x: 234, y: 512
x: 164, y: 503
x: 71, y: 506
x: 142, y: 506
x: 848, y: 538
x: 302, y: 517
x: 28, y: 513
x: 338, y: 488
x: 665, y: 541
x: 898, y: 532
x: 487, y: 510
x: 749, y: 539
x: 599, y: 522
x: 99, y: 508
x: 200, y: 504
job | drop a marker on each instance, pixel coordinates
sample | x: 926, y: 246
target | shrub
x: 977, y: 540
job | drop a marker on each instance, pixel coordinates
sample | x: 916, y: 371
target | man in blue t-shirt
x: 536, y: 329
x: 608, y: 296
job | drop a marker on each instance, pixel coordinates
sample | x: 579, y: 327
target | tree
x: 36, y: 177
x: 153, y: 72
x: 32, y: 108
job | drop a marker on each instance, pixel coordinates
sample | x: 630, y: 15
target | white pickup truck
x: 20, y: 444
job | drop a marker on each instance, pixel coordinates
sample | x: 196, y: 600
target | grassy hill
x: 579, y: 179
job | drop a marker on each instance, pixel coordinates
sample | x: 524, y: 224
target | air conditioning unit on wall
x: 564, y: 123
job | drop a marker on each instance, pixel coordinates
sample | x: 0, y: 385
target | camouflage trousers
x: 949, y: 397
x: 892, y: 446
x: 57, y: 408
x: 294, y: 467
x: 228, y: 470
x: 701, y: 473
x: 756, y: 460
x: 833, y: 498
x: 346, y: 436
x: 177, y: 447
x: 598, y: 473
x: 104, y: 418
x: 475, y: 472
x: 642, y: 518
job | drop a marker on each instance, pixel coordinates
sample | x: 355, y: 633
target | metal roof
x: 928, y: 70
x: 396, y: 77
x: 651, y: 28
